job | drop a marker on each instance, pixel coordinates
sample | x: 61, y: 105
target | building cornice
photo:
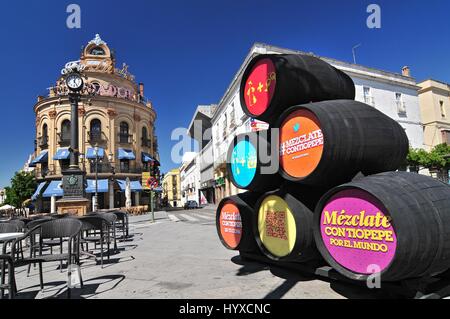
x: 64, y: 100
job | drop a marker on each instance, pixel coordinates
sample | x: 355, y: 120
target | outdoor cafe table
x: 7, y: 237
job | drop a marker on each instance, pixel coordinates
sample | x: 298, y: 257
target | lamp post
x: 74, y: 177
x: 95, y: 205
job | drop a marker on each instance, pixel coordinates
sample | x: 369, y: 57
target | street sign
x: 152, y: 183
x: 145, y: 177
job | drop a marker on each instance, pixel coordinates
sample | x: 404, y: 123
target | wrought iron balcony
x: 146, y: 142
x: 42, y: 142
x: 125, y: 138
x: 97, y: 138
x: 63, y: 140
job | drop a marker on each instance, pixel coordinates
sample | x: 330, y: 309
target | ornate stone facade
x: 113, y: 115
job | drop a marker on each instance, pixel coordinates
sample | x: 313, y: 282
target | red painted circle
x: 260, y: 87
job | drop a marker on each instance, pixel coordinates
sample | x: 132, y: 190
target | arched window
x: 145, y: 141
x: 95, y: 133
x: 97, y: 51
x: 44, y: 138
x: 124, y: 132
x: 65, y: 133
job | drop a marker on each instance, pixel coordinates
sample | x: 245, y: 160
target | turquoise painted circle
x: 243, y: 163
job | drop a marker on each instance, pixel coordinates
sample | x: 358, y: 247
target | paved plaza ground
x: 180, y: 256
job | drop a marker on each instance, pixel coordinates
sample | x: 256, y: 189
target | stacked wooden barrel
x: 321, y: 183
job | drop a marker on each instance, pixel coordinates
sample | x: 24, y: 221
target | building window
x: 446, y: 137
x: 367, y: 93
x: 401, y: 108
x: 97, y: 51
x: 225, y: 125
x: 125, y: 166
x: 124, y: 133
x: 65, y: 133
x: 145, y: 140
x: 43, y: 143
x: 95, y: 133
x: 442, y: 108
x: 232, y: 117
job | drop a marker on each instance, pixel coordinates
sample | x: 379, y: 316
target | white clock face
x: 74, y: 82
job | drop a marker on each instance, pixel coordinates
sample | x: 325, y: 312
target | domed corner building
x: 116, y: 124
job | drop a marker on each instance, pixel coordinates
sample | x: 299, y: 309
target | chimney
x: 406, y: 71
x: 141, y: 89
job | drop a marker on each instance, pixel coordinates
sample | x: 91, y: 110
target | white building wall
x: 2, y: 196
x: 383, y: 98
x: 190, y: 181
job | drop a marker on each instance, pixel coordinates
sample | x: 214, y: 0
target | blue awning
x: 54, y: 189
x: 102, y: 186
x: 38, y: 191
x: 135, y: 185
x: 90, y: 154
x: 147, y: 158
x: 41, y: 158
x: 62, y: 154
x: 126, y: 154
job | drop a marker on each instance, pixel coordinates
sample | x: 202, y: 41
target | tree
x: 417, y: 158
x: 23, y: 185
x: 439, y: 158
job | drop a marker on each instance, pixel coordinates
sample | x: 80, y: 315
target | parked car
x: 191, y: 204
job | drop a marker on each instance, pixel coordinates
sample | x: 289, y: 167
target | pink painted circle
x: 357, y: 232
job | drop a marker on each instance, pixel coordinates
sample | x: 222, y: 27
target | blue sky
x: 186, y: 52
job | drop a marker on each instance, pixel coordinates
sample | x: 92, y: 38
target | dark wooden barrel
x: 273, y: 82
x: 252, y: 164
x: 234, y: 218
x: 283, y: 223
x: 394, y: 224
x: 328, y: 143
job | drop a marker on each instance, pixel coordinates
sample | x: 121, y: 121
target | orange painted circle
x: 301, y: 144
x: 231, y: 225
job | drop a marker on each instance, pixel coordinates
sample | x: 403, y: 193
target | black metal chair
x: 122, y: 223
x: 68, y: 228
x: 94, y: 230
x: 34, y: 244
x: 6, y: 259
x: 7, y: 227
x: 111, y: 219
x: 19, y: 223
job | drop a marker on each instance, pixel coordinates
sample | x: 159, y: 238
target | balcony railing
x: 98, y: 138
x: 125, y: 138
x: 146, y: 142
x: 42, y: 142
x: 100, y: 168
x: 128, y: 169
x: 63, y: 141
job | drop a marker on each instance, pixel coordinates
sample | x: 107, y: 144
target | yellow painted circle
x: 276, y: 226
